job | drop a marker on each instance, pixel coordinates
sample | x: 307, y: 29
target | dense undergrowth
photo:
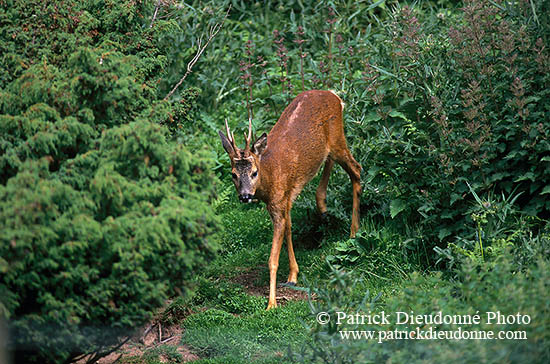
x: 104, y: 214
x: 107, y: 190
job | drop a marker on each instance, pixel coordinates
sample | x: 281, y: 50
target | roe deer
x: 276, y: 167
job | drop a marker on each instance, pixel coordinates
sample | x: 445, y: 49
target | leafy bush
x: 104, y: 214
x: 378, y: 251
x: 478, y: 289
x: 461, y: 102
x: 494, y: 226
x: 103, y: 242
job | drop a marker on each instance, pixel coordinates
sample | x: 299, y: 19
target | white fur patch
x: 341, y: 102
x: 294, y: 114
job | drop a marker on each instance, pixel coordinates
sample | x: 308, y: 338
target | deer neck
x: 268, y: 171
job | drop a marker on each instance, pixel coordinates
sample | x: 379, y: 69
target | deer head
x: 245, y: 163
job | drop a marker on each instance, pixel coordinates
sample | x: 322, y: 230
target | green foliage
x: 175, y: 311
x: 104, y: 214
x: 250, y: 226
x: 436, y: 97
x: 103, y: 251
x: 377, y: 251
x: 478, y: 289
x: 341, y: 294
x: 461, y: 102
x: 156, y: 355
x: 495, y: 226
x: 162, y: 353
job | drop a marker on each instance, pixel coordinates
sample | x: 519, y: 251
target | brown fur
x: 310, y: 132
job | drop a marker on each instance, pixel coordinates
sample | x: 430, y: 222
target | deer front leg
x: 273, y: 263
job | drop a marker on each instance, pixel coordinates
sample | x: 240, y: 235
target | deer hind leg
x: 321, y: 195
x: 293, y: 271
x: 279, y: 225
x: 350, y: 165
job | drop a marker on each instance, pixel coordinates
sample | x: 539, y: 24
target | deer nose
x: 246, y: 198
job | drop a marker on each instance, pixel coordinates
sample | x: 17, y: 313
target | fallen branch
x: 117, y: 359
x: 212, y: 31
x: 149, y: 328
x: 168, y: 339
x: 100, y: 354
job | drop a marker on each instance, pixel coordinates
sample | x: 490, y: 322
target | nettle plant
x: 470, y: 105
x: 314, y: 52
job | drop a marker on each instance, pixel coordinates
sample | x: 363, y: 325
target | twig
x: 98, y: 355
x: 168, y: 339
x: 212, y: 31
x: 155, y: 13
x: 149, y: 328
x: 80, y: 357
x: 160, y: 332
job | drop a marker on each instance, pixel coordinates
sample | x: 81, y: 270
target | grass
x: 260, y: 336
x: 225, y: 320
x: 229, y: 323
x: 232, y: 325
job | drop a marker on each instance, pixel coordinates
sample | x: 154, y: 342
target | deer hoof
x: 271, y: 305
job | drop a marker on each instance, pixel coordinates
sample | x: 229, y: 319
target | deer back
x: 300, y: 141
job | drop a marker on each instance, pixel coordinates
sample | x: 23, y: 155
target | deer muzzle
x: 246, y: 198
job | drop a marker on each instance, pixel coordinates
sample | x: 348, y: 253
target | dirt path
x: 152, y: 336
x: 249, y: 277
x: 156, y: 335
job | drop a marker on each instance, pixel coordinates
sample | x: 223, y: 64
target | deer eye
x: 255, y: 174
x: 234, y: 175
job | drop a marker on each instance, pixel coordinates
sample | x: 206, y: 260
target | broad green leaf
x: 397, y: 114
x: 527, y: 176
x: 396, y: 206
x: 443, y: 233
x: 373, y: 116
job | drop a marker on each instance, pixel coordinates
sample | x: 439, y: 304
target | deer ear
x: 227, y: 145
x: 260, y: 145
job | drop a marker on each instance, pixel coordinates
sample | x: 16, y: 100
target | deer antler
x: 249, y: 137
x: 230, y: 136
